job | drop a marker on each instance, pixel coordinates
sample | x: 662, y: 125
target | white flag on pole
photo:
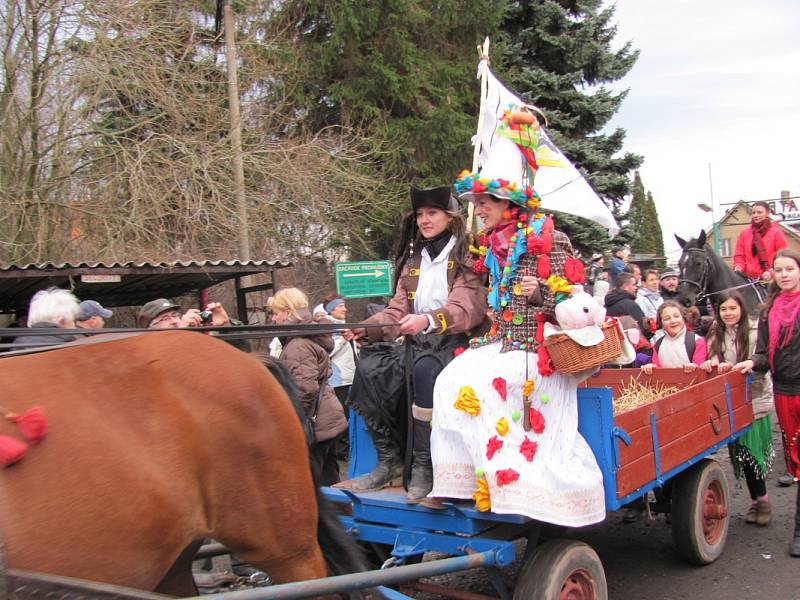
x: 560, y: 185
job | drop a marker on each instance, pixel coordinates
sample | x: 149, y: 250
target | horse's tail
x: 342, y: 554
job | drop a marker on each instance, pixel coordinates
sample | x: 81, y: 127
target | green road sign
x: 364, y: 279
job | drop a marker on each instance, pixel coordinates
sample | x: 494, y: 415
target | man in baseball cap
x: 92, y: 315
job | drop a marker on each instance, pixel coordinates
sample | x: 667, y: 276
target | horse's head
x: 694, y: 267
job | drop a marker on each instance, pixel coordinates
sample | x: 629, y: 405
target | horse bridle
x: 703, y: 283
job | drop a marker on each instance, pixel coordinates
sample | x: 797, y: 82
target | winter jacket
x: 307, y: 358
x: 649, y: 302
x: 761, y: 386
x: 786, y: 373
x: 43, y: 339
x: 616, y: 267
x: 746, y: 261
x: 698, y: 357
x: 465, y: 309
x: 343, y: 363
x: 620, y: 303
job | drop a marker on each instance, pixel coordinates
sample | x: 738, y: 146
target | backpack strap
x: 689, y: 342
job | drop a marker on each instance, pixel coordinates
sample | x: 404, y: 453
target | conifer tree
x: 656, y: 233
x: 557, y: 54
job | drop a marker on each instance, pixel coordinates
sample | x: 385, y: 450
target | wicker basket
x: 570, y: 357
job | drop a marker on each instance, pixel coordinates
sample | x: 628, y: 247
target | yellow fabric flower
x: 467, y: 401
x: 481, y: 496
x: 559, y: 284
x: 527, y: 389
x: 502, y: 426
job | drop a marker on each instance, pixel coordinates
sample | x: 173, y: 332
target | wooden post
x: 483, y: 54
x: 236, y: 131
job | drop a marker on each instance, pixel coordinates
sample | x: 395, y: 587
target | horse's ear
x: 681, y: 241
x: 701, y: 239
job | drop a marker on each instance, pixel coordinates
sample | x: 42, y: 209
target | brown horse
x: 156, y: 442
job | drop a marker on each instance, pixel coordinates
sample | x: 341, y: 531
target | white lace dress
x: 560, y: 484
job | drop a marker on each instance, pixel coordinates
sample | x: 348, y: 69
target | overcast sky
x: 716, y: 82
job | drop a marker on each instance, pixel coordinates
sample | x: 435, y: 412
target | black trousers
x: 324, y: 463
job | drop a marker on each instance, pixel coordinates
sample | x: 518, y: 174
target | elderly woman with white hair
x: 50, y: 309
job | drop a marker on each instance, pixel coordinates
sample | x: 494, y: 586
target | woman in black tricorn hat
x: 437, y: 300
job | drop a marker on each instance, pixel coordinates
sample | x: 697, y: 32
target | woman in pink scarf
x: 757, y: 245
x: 778, y: 351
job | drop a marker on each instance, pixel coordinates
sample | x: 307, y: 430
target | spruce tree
x: 638, y: 217
x: 557, y: 54
x: 656, y: 233
x: 402, y: 70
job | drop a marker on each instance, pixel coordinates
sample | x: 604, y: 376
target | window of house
x: 725, y: 247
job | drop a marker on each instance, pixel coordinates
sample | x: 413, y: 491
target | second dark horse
x: 703, y: 275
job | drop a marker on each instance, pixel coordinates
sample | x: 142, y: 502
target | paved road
x: 641, y: 561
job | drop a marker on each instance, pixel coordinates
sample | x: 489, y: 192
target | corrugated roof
x: 122, y: 284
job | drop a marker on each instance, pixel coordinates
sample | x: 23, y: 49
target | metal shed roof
x: 122, y: 284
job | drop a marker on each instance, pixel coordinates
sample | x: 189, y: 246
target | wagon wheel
x: 700, y: 515
x: 562, y: 570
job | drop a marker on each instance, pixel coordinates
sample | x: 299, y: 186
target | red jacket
x: 746, y: 261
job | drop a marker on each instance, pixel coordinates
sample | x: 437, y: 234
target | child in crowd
x: 678, y: 347
x: 778, y: 351
x: 731, y: 340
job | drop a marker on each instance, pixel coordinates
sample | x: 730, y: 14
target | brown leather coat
x: 309, y: 363
x: 465, y: 311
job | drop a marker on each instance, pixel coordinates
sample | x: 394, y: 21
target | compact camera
x: 205, y: 316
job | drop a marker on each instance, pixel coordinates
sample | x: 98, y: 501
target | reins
x: 702, y: 285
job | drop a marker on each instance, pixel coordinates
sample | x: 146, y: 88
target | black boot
x: 794, y: 549
x: 388, y: 471
x: 421, y: 482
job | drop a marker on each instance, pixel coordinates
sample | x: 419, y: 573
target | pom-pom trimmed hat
x: 434, y: 197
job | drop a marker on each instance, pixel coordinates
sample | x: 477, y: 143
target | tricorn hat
x: 435, y: 197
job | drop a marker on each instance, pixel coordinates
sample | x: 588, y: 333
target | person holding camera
x: 164, y: 314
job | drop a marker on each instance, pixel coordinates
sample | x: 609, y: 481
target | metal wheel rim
x: 578, y: 585
x: 713, y: 527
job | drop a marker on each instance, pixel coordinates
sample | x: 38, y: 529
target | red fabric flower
x: 547, y: 242
x: 535, y: 244
x: 479, y: 267
x: 537, y: 421
x: 11, y: 450
x: 543, y: 266
x: 540, y: 321
x: 459, y: 351
x: 478, y: 187
x: 493, y: 446
x: 544, y: 365
x: 32, y: 424
x: 548, y: 226
x: 528, y: 449
x: 499, y: 384
x: 574, y: 270
x: 506, y: 476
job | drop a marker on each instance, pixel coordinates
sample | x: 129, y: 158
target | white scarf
x: 672, y: 351
x: 432, y: 289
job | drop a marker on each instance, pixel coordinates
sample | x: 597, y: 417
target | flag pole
x: 483, y: 55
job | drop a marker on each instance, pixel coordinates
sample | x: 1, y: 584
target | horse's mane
x: 341, y: 553
x: 282, y: 375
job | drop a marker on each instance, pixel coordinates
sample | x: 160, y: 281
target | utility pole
x: 236, y: 131
x: 713, y: 216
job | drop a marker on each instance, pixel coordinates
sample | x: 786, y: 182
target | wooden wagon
x: 665, y: 445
